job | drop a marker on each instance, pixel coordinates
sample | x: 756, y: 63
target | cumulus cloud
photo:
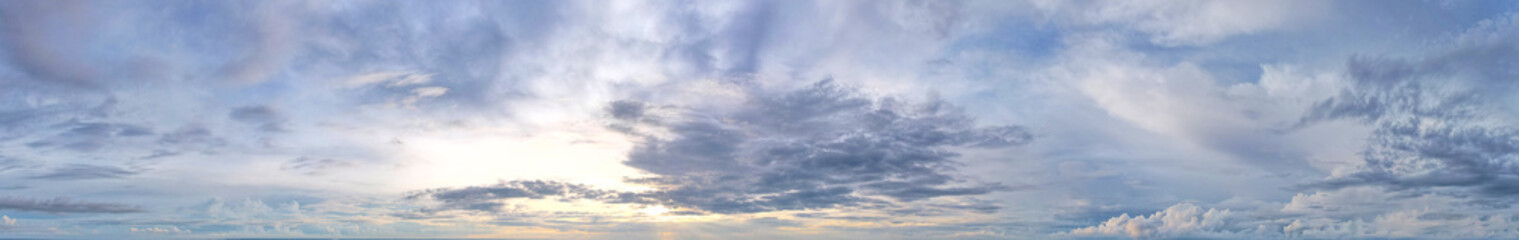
x: 1181, y: 220
x: 243, y: 209
x: 64, y: 205
x: 1358, y: 201
x: 1414, y: 219
x: 1354, y: 212
x: 1190, y: 221
x: 1437, y: 160
x: 1411, y: 223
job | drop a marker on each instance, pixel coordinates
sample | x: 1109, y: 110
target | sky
x: 630, y: 119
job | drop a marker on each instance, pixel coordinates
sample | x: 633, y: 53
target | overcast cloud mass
x: 1015, y: 119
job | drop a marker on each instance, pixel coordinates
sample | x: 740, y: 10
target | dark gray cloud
x: 974, y: 206
x: 106, y: 129
x: 1415, y: 153
x: 774, y: 222
x: 908, y: 191
x: 63, y: 205
x: 626, y: 109
x: 191, y: 135
x: 823, y: 146
x: 486, y: 198
x: 85, y: 171
x: 264, y: 117
x: 1433, y: 128
x: 829, y: 216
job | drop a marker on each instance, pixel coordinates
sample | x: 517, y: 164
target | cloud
x: 973, y: 205
x: 217, y: 209
x: 64, y: 205
x: 487, y: 198
x: 6, y: 222
x: 191, y: 136
x: 291, y: 215
x: 1360, y: 201
x: 626, y: 109
x: 774, y: 222
x: 1184, y: 22
x: 170, y: 230
x: 86, y: 172
x: 9, y: 163
x: 391, y: 79
x: 43, y: 40
x: 422, y: 93
x: 265, y: 117
x: 819, y: 147
x: 91, y: 136
x: 1411, y: 223
x: 314, y: 166
x: 1438, y: 124
x: 274, y: 42
x: 1356, y: 212
x: 1438, y: 161
x: 1181, y: 220
x: 711, y: 106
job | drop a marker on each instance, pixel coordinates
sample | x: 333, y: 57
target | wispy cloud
x: 63, y: 205
x: 84, y: 172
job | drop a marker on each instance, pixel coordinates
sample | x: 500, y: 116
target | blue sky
x: 759, y: 119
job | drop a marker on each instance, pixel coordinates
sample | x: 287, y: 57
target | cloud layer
x: 64, y: 205
x: 819, y: 147
x: 759, y: 120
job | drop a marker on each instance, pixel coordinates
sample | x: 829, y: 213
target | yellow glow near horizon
x: 459, y: 159
x: 656, y: 210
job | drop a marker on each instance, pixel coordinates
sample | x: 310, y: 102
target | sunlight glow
x: 656, y: 210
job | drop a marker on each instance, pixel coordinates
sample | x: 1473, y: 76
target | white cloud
x: 1185, y: 22
x: 1361, y: 212
x: 421, y: 93
x: 1345, y: 201
x: 1177, y: 221
x: 7, y: 222
x: 159, y: 230
x: 392, y: 79
x: 1411, y: 223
